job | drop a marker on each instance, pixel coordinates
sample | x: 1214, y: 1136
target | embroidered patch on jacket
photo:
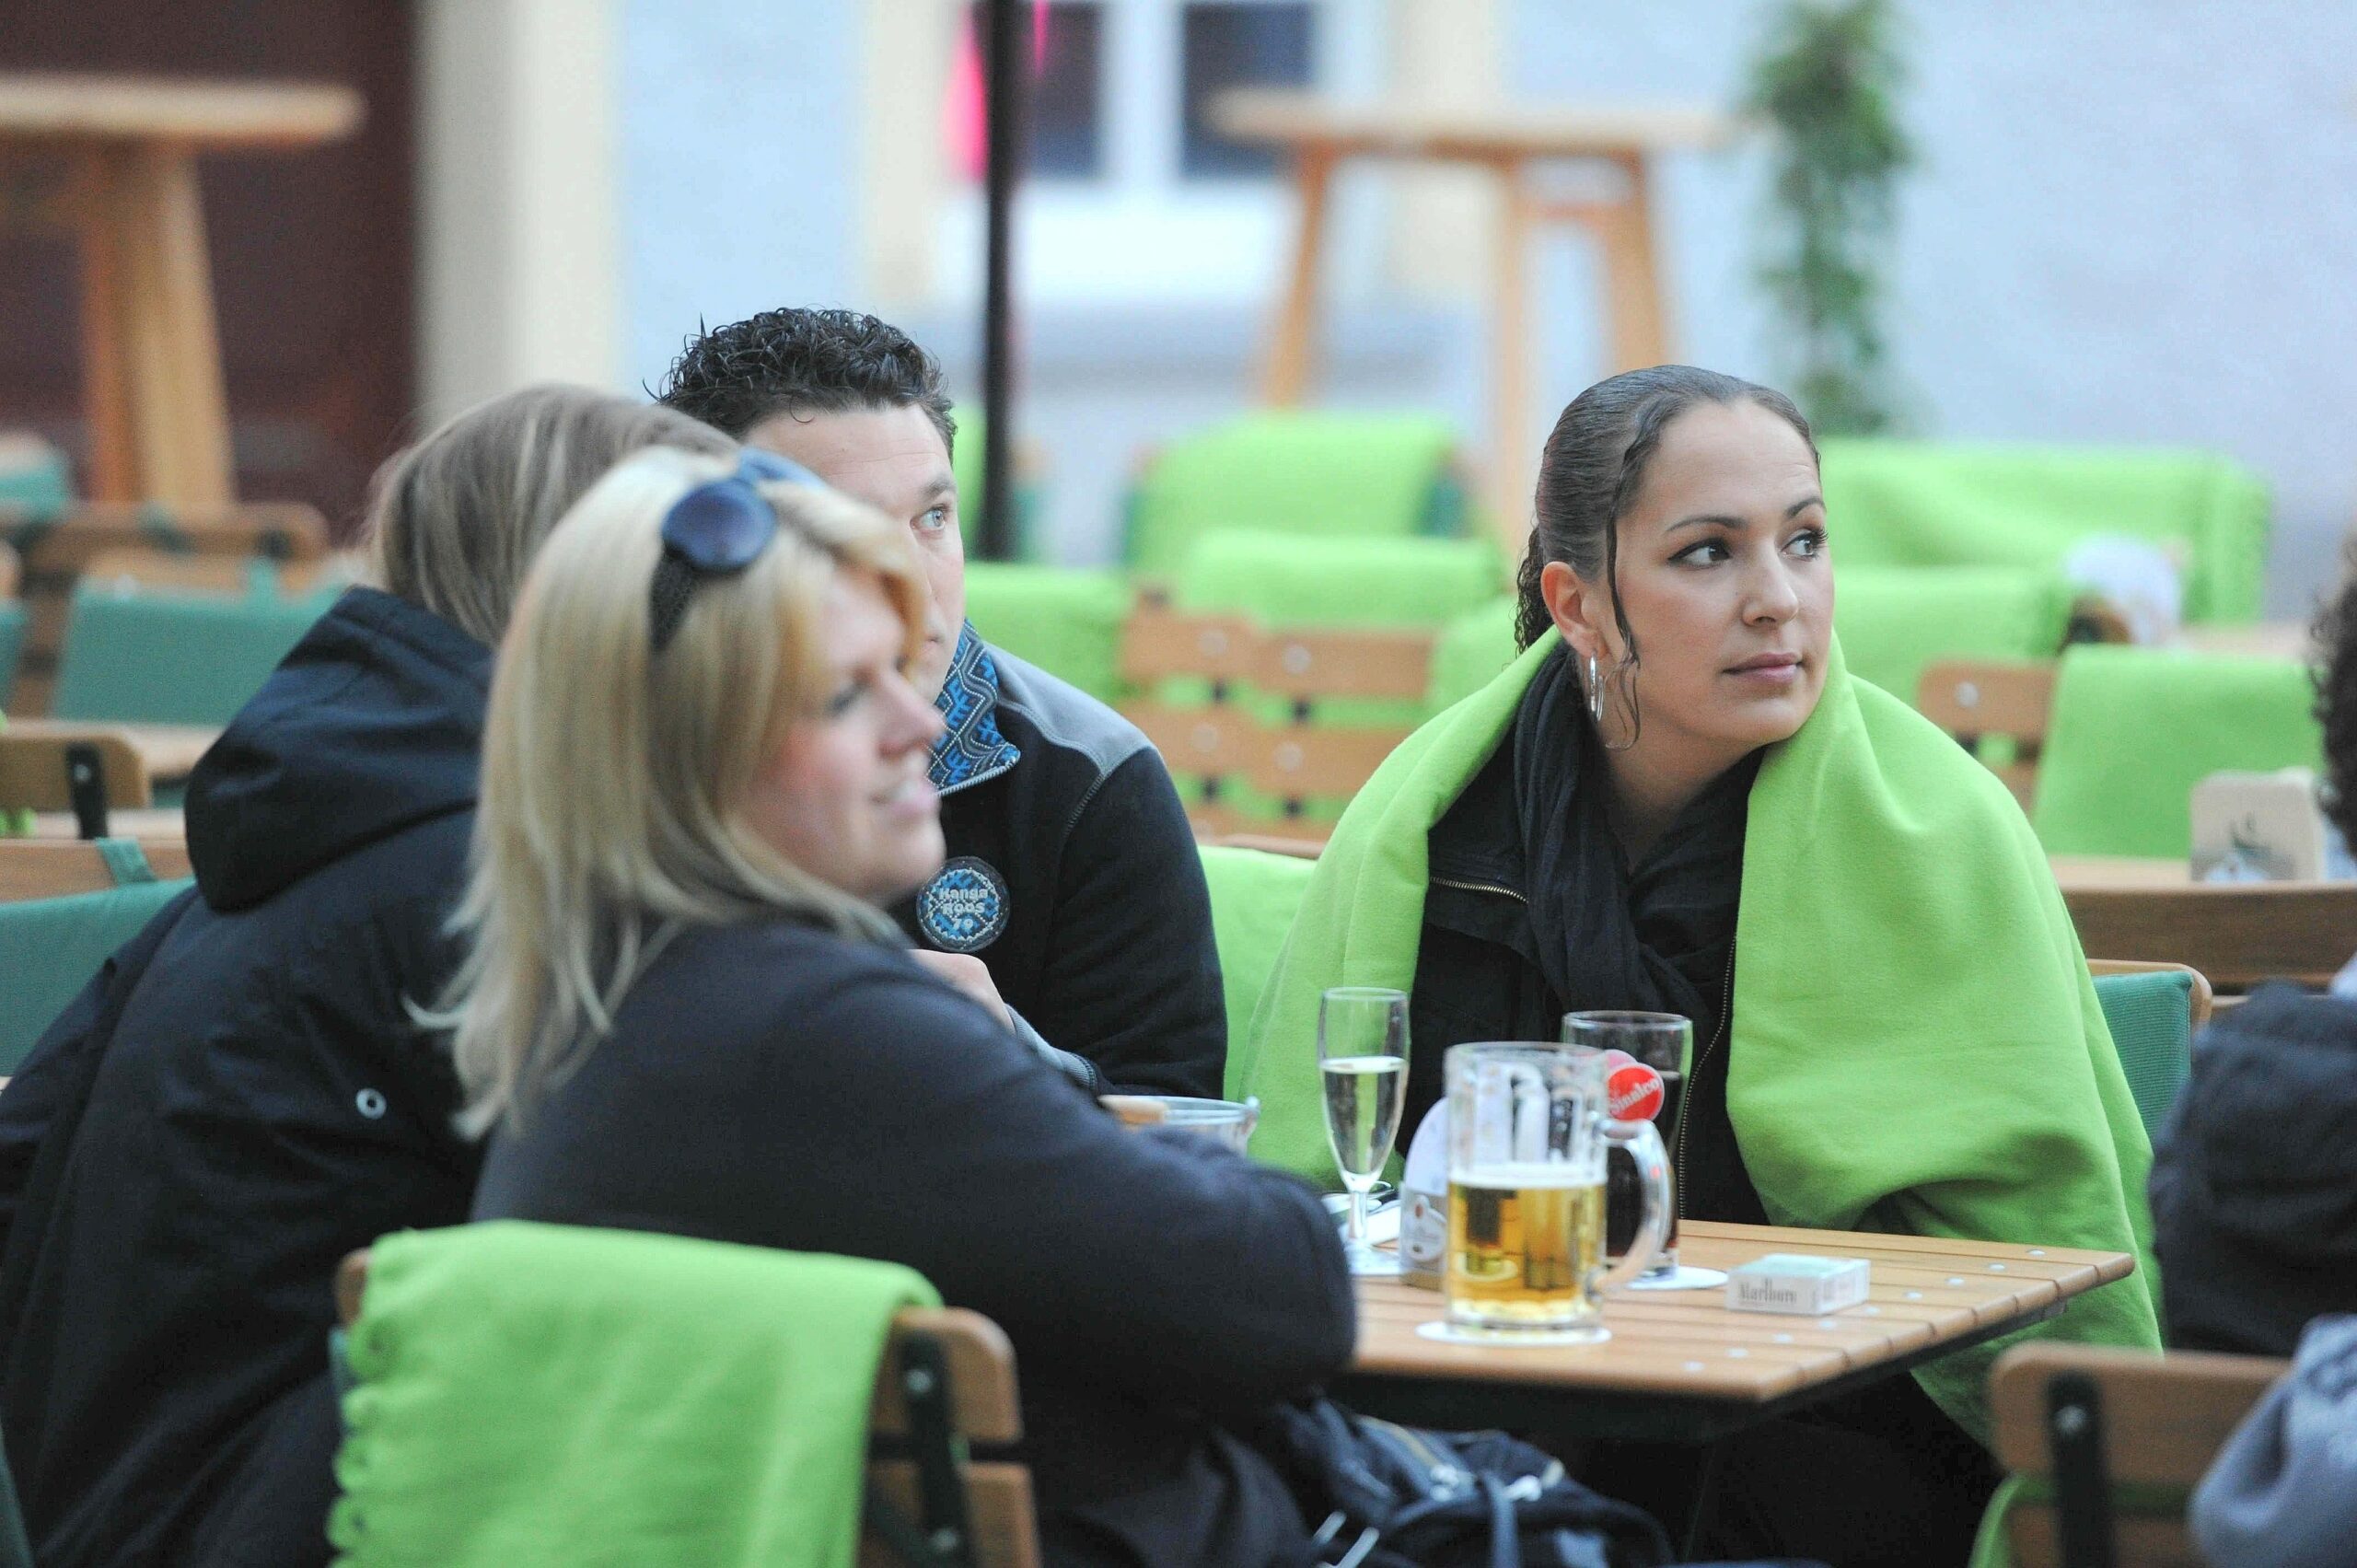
x: 972, y: 748
x: 964, y: 909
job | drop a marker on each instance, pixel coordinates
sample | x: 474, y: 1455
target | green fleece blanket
x: 533, y: 1394
x: 1917, y: 1046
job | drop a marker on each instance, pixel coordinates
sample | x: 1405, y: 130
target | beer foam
x: 1551, y: 1174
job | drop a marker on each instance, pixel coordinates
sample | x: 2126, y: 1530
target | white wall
x: 2136, y: 221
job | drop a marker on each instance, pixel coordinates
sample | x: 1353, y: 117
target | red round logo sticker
x: 1633, y: 1093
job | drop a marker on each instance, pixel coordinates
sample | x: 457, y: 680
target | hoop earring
x: 1594, y: 693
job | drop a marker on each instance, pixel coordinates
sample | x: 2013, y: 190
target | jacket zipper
x: 1479, y: 887
x: 1686, y: 1102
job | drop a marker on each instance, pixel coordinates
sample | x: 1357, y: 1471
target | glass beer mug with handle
x: 1525, y: 1262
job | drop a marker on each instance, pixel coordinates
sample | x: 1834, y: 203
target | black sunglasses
x: 714, y: 530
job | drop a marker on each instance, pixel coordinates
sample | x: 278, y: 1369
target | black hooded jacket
x: 263, y: 1106
x: 2254, y: 1182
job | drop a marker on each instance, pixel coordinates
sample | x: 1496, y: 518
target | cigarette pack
x: 1790, y: 1282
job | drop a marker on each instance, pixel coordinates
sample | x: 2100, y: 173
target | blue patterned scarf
x: 971, y: 749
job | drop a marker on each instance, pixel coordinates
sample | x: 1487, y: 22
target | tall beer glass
x: 1363, y: 1067
x: 1663, y: 1042
x: 1527, y: 1139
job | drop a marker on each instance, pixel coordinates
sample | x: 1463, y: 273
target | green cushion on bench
x: 1940, y: 504
x: 12, y: 638
x: 174, y: 657
x: 2134, y: 729
x: 1067, y: 621
x: 2151, y: 1019
x: 1254, y: 895
x: 1896, y: 620
x: 51, y: 948
x: 1359, y: 476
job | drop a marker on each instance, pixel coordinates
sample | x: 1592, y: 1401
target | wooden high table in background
x: 113, y: 161
x: 1319, y: 134
x: 1681, y: 1367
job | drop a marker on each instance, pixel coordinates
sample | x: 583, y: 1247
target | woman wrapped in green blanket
x: 1678, y: 799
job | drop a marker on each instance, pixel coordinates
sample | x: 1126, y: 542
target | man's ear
x: 1582, y: 611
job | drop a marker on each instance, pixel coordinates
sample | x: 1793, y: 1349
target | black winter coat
x: 265, y: 1106
x: 2254, y: 1182
x: 777, y: 1086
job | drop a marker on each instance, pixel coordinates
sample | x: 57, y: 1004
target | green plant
x: 1825, y: 80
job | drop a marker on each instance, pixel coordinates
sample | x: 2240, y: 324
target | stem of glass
x: 1358, y: 1214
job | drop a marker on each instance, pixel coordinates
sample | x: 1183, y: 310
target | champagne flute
x: 1363, y: 1061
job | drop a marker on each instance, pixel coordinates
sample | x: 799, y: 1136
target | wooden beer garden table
x: 1681, y: 1367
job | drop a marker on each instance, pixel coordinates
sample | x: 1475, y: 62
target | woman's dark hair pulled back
x: 1595, y: 464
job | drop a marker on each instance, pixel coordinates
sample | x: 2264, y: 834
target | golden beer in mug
x: 1526, y: 1196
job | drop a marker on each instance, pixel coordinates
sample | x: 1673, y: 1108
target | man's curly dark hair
x: 2336, y: 678
x: 804, y: 362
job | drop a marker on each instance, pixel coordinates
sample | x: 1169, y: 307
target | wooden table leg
x: 1512, y: 468
x: 106, y: 398
x: 1633, y: 299
x: 179, y: 405
x: 1291, y: 350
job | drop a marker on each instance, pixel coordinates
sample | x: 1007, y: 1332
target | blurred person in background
x: 1072, y: 901
x: 705, y: 769
x: 188, y: 1153
x: 2255, y: 1173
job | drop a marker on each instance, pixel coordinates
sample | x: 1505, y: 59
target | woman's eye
x: 1708, y: 552
x: 1808, y: 541
x: 845, y: 698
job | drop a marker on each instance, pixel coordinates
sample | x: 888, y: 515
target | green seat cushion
x: 1474, y: 649
x: 33, y: 477
x: 966, y: 469
x: 12, y: 639
x: 174, y: 657
x: 1940, y: 504
x: 1361, y: 476
x: 51, y: 948
x: 1254, y: 895
x: 1067, y: 621
x: 1896, y: 620
x: 2151, y: 1018
x: 2134, y: 729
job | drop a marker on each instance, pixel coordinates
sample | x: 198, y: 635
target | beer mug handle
x: 1653, y: 1170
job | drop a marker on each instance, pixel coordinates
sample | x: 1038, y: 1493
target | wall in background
x: 2134, y: 223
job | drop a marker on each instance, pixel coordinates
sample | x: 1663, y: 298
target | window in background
x: 1067, y: 85
x: 1235, y: 45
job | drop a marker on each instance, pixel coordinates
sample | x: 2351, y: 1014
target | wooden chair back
x: 2203, y: 999
x: 947, y: 1380
x: 1975, y: 699
x: 2087, y: 1416
x: 2236, y: 933
x: 88, y: 770
x: 153, y: 570
x: 57, y: 869
x: 11, y: 569
x: 55, y: 552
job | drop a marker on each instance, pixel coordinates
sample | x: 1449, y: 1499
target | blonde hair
x: 612, y: 775
x: 457, y: 517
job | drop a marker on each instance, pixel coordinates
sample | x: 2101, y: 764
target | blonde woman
x: 682, y: 1009
x: 188, y: 1151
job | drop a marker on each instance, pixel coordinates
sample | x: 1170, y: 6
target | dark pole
x: 1006, y: 59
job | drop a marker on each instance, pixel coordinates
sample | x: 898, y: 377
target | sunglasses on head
x: 716, y: 530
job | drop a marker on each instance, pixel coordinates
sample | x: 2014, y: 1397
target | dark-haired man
x: 1073, y: 896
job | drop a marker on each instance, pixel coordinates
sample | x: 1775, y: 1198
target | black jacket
x: 1081, y: 885
x: 2254, y: 1181
x: 265, y: 1106
x: 778, y: 1086
x: 1478, y: 978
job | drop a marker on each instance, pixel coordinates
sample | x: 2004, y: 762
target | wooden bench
x: 2237, y: 934
x: 947, y: 1380
x: 46, y: 868
x: 1976, y: 700
x: 2084, y: 1417
x: 85, y: 769
x: 56, y: 551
